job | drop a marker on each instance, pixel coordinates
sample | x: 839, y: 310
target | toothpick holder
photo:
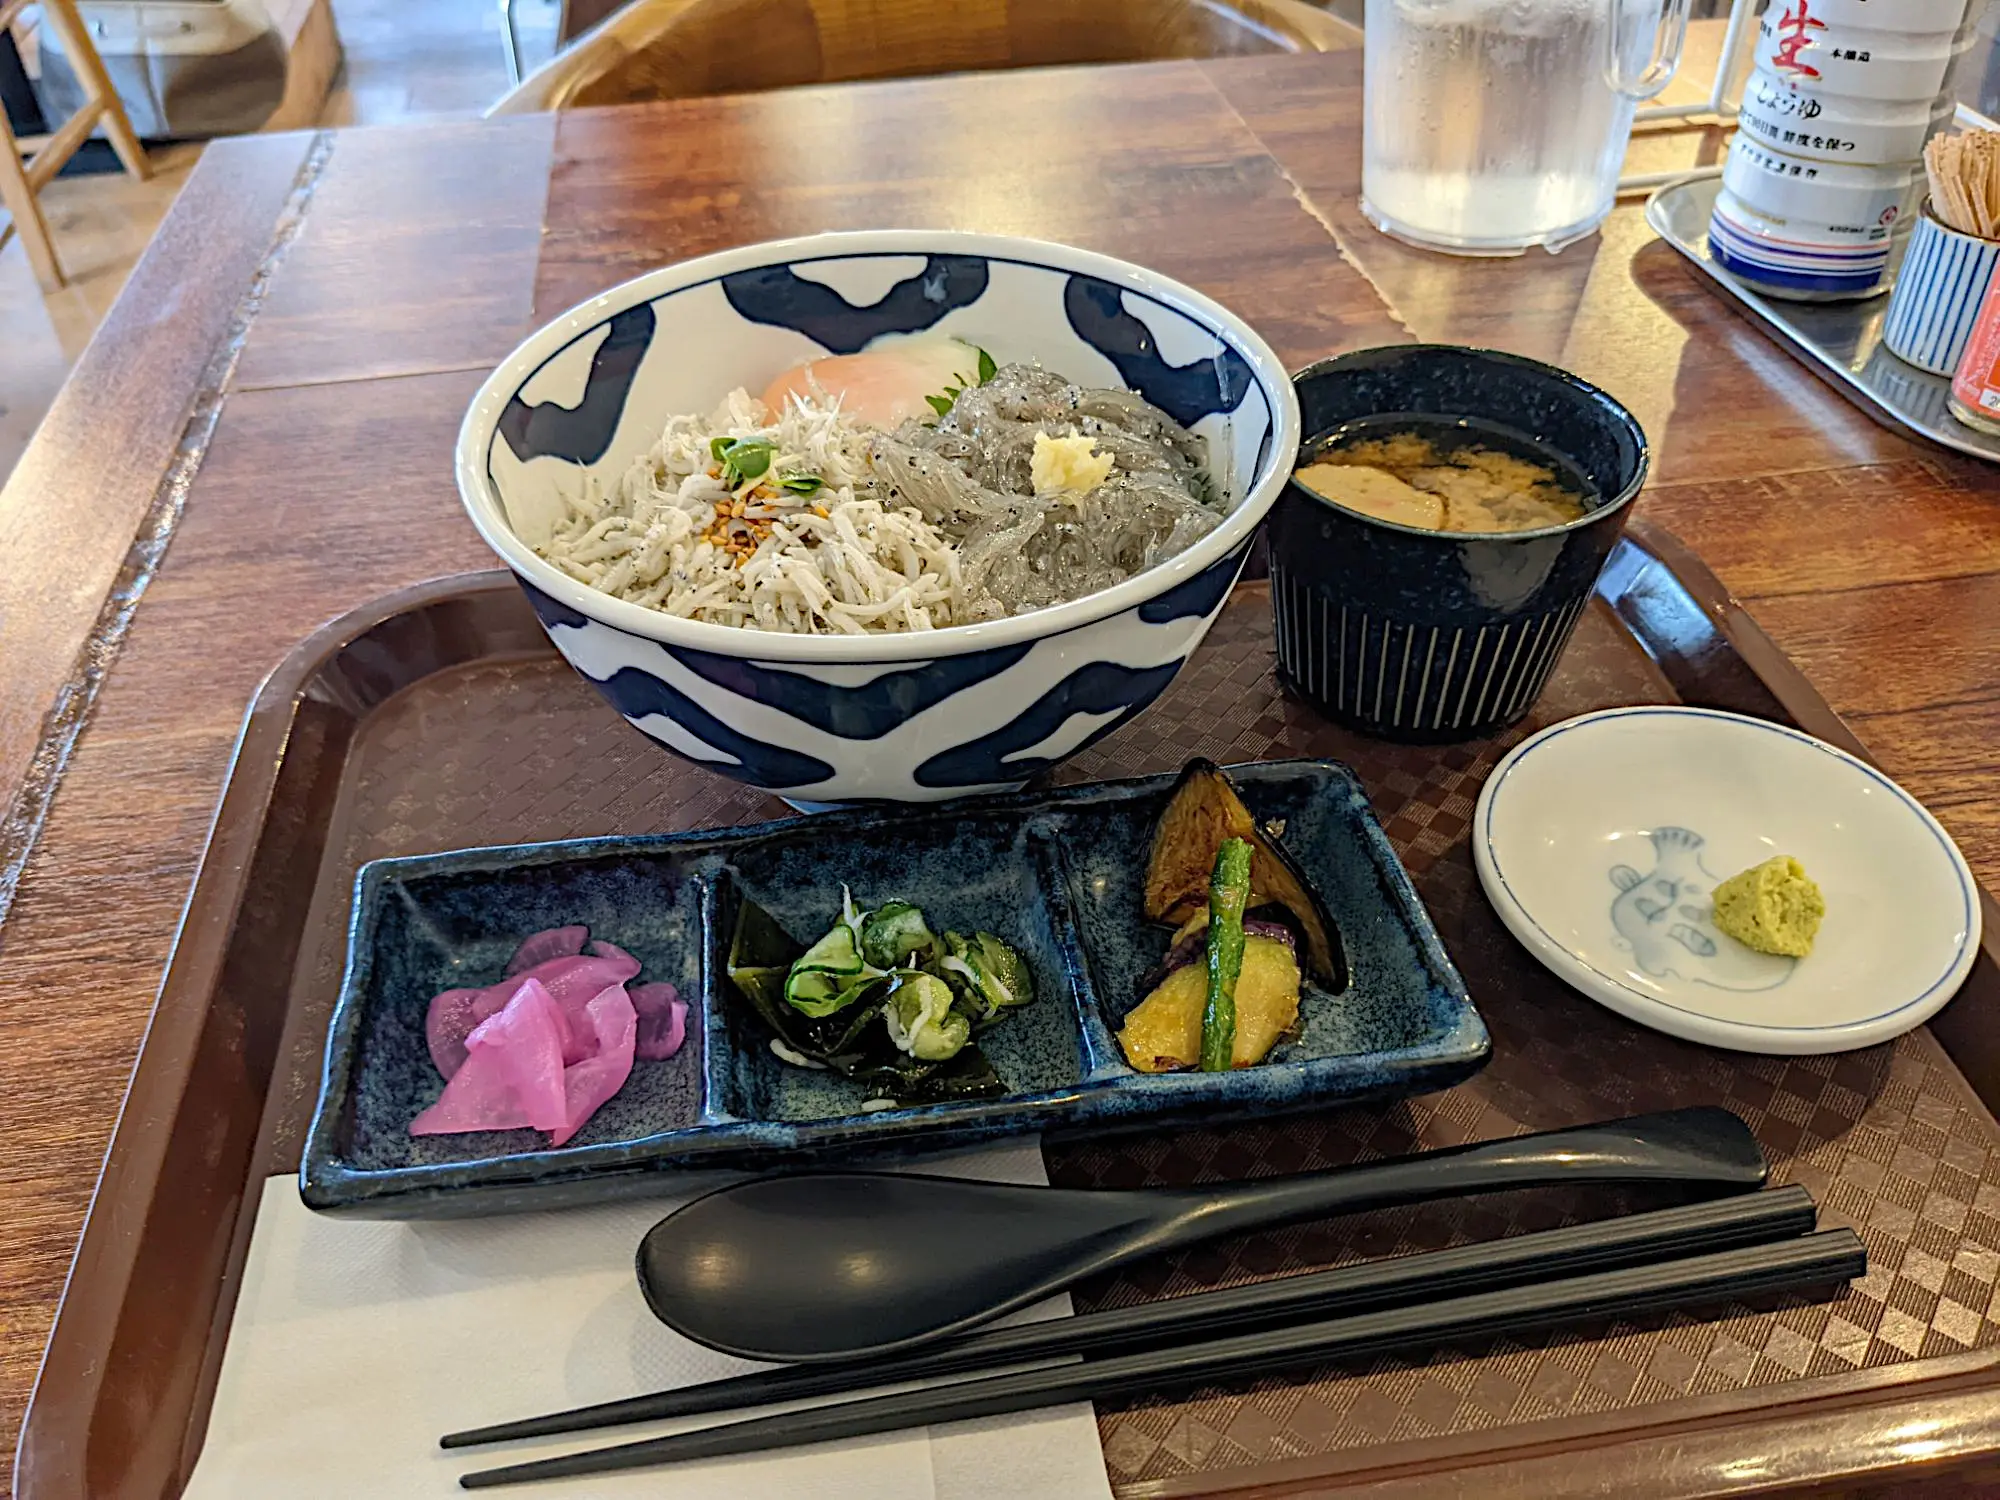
x: 1937, y: 294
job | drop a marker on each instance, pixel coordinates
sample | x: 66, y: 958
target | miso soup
x: 1447, y: 474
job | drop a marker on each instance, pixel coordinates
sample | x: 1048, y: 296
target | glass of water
x: 1493, y: 125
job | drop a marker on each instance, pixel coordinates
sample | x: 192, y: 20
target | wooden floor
x: 434, y: 59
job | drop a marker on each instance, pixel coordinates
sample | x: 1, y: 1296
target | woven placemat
x: 1890, y: 1140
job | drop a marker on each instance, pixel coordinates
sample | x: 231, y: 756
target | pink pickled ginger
x: 571, y: 981
x: 546, y: 1046
x: 556, y: 942
x: 514, y: 1072
x: 512, y: 1075
x: 662, y: 1019
x: 589, y: 1083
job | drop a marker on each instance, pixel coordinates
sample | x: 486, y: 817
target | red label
x: 1795, y: 29
x: 1977, y: 383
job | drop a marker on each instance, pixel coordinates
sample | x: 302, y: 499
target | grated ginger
x: 1067, y: 463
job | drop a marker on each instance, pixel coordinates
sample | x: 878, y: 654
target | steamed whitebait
x: 815, y: 523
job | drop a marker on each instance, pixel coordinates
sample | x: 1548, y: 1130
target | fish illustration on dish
x: 1666, y: 919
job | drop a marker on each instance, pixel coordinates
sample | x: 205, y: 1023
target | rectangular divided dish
x: 1055, y: 873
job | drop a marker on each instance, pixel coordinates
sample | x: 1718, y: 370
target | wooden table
x: 278, y: 389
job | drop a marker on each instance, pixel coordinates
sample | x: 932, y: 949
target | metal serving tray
x: 1841, y: 341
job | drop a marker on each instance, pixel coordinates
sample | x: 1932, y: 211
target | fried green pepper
x: 1228, y: 895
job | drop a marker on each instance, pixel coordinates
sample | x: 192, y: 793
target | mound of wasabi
x: 1773, y: 907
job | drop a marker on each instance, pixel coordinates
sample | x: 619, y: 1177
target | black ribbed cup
x: 1433, y: 636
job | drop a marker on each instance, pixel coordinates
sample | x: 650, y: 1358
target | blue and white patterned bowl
x: 912, y: 717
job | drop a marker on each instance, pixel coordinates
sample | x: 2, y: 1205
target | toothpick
x: 1964, y: 177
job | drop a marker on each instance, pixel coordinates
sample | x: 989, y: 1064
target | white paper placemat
x: 356, y: 1344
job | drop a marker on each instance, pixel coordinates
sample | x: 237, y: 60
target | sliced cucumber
x: 988, y: 975
x: 893, y: 933
x: 918, y: 1012
x: 830, y: 975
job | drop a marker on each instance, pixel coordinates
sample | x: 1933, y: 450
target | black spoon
x: 844, y: 1265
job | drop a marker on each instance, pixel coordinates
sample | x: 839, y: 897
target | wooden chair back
x: 28, y: 166
x: 666, y: 49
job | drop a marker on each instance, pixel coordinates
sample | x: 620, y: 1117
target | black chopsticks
x: 1635, y: 1239
x: 1836, y: 1255
x: 1706, y: 1279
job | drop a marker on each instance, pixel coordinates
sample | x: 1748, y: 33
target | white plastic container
x: 1825, y: 126
x: 1883, y: 15
x: 1800, y: 262
x: 1825, y: 202
x: 1795, y: 45
x: 1822, y: 175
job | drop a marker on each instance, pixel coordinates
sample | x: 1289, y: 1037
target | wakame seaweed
x: 846, y: 1028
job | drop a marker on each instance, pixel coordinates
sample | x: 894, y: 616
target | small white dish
x: 1599, y: 842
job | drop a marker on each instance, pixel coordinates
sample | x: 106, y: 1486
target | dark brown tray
x: 440, y: 718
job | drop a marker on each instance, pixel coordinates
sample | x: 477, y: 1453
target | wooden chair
x: 669, y: 49
x: 21, y: 180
